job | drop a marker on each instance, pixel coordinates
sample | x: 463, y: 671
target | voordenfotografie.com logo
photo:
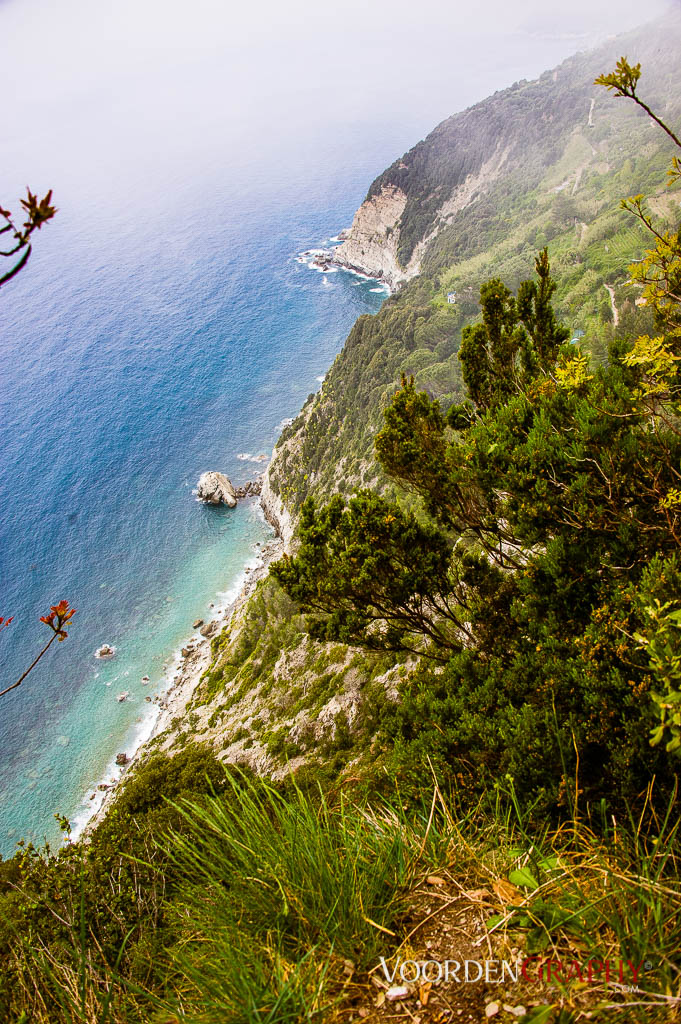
x: 532, y: 970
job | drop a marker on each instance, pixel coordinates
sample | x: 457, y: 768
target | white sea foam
x: 247, y: 457
x: 286, y: 422
x: 310, y: 259
x: 113, y: 772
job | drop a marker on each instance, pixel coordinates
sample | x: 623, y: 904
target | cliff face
x: 274, y: 509
x: 371, y: 244
x: 513, y: 137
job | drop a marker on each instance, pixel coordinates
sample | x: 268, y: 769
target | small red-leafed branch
x: 38, y: 212
x: 59, y: 615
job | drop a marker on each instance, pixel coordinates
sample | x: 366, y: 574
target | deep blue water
x: 156, y: 333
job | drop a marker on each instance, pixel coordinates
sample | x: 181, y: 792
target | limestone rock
x: 122, y: 760
x: 250, y: 489
x: 216, y: 489
x: 370, y: 245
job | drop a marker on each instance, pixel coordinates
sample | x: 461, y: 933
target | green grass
x: 278, y: 902
x: 280, y: 890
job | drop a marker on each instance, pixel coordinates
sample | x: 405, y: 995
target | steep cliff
x: 371, y: 244
x: 530, y: 171
x: 512, y: 137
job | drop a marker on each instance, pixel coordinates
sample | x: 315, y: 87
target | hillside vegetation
x: 448, y: 724
x: 523, y: 137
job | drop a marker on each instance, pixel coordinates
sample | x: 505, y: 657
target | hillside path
x: 615, y: 314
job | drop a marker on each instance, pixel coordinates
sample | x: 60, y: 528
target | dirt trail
x: 578, y: 176
x: 615, y: 314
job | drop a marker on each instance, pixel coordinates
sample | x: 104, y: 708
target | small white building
x: 451, y: 298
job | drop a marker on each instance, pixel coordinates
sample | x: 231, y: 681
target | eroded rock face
x: 370, y: 245
x: 216, y: 489
x: 274, y: 509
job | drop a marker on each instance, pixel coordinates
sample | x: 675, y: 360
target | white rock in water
x: 215, y: 489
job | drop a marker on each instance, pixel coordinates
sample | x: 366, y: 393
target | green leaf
x: 538, y: 1015
x: 523, y: 877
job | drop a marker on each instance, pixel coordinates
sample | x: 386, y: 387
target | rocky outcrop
x: 251, y: 489
x: 216, y: 489
x: 275, y: 511
x: 370, y: 245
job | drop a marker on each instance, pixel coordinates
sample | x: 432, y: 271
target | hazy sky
x: 117, y: 81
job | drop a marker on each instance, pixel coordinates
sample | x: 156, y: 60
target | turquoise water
x: 149, y: 339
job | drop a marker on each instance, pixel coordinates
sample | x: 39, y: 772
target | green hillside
x: 446, y: 726
x: 537, y: 131
x: 248, y: 705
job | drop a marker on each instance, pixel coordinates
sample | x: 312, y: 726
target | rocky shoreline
x: 196, y: 655
x: 327, y: 261
x: 194, y: 659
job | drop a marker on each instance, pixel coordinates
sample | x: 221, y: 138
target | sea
x: 164, y: 326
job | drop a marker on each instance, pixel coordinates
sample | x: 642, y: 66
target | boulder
x: 122, y: 760
x: 251, y: 489
x: 208, y: 629
x: 216, y: 489
x: 197, y: 623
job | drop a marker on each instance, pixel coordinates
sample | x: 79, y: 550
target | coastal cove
x: 173, y: 369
